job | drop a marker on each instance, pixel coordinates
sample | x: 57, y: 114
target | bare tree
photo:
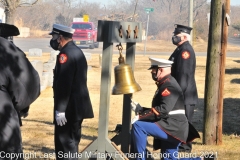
x: 161, y: 23
x: 10, y: 7
x: 169, y: 12
x: 235, y: 27
x: 40, y: 16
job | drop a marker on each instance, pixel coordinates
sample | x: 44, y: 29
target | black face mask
x: 54, y: 44
x: 154, y: 76
x: 176, y: 40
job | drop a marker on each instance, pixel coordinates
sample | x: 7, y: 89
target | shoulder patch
x: 166, y: 92
x: 63, y: 58
x: 185, y: 55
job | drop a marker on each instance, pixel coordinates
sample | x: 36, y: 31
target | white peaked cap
x: 158, y: 62
x: 61, y: 29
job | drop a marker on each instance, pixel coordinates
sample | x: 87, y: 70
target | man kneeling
x: 166, y: 120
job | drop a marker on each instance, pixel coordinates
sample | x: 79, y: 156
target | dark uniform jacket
x: 169, y: 98
x: 70, y: 84
x: 183, y: 70
x: 19, y: 87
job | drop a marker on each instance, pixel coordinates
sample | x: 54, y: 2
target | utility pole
x: 191, y: 19
x: 226, y: 23
x: 211, y: 96
x: 146, y: 35
x: 148, y: 10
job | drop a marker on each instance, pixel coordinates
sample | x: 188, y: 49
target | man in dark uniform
x: 19, y: 87
x: 165, y: 120
x: 183, y: 70
x: 71, y: 97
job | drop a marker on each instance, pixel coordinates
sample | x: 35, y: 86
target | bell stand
x: 109, y: 32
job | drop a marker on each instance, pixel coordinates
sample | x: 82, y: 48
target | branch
x: 21, y: 5
x: 35, y: 2
x: 195, y: 10
x: 2, y: 3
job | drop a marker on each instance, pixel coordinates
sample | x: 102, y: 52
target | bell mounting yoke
x: 110, y: 32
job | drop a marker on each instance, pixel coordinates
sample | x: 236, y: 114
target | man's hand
x: 60, y: 118
x: 136, y: 118
x: 136, y: 107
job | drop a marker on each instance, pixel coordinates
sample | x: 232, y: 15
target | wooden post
x: 211, y: 95
x: 226, y: 11
x: 126, y: 115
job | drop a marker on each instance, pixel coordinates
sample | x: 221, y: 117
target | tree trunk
x: 212, y: 74
x: 10, y: 15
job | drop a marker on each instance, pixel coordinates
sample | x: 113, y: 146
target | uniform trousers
x: 169, y: 145
x: 140, y: 131
x: 189, y: 111
x: 67, y: 138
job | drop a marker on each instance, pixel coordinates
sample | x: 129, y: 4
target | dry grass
x: 37, y: 129
x: 38, y: 33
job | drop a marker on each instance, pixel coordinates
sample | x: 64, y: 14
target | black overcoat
x: 71, y: 93
x: 183, y: 70
x: 19, y: 87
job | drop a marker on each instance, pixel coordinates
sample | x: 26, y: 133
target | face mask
x: 54, y: 44
x: 176, y: 40
x: 154, y: 76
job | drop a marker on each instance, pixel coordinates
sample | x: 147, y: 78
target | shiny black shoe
x: 184, y: 150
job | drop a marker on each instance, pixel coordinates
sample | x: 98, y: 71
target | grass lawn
x: 37, y: 129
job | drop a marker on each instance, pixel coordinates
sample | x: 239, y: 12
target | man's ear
x: 60, y: 39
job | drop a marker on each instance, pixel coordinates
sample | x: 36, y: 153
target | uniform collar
x: 67, y: 44
x: 163, y: 80
x: 184, y: 43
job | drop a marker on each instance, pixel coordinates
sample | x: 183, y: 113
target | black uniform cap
x: 181, y: 28
x: 8, y: 30
x: 62, y: 30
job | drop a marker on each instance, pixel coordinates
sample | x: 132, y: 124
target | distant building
x: 2, y: 15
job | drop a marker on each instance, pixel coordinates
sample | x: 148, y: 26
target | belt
x: 179, y: 111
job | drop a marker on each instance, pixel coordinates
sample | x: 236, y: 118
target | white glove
x: 136, y: 107
x: 60, y: 118
x: 136, y: 118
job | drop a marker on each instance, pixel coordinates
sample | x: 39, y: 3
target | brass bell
x: 124, y: 80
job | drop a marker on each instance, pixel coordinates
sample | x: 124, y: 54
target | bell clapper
x: 121, y: 58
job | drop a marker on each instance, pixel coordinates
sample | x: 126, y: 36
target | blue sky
x: 233, y: 2
x: 105, y: 2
